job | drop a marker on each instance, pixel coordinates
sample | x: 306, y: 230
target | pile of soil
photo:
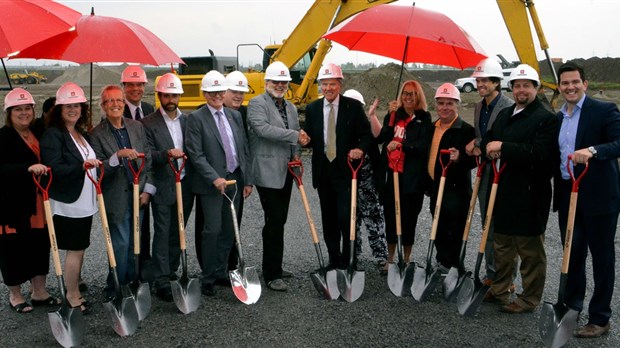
x: 382, y: 83
x: 102, y: 75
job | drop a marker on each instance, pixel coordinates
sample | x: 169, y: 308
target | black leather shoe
x: 164, y: 294
x: 208, y: 290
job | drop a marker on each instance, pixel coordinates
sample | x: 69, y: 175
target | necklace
x: 82, y: 145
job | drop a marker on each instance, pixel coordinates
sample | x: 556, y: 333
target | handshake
x: 303, y: 139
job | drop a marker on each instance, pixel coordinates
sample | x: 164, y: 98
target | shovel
x: 67, y: 323
x: 400, y: 274
x: 557, y: 322
x: 122, y: 308
x: 324, y: 282
x: 185, y: 290
x: 140, y: 291
x: 425, y: 279
x: 472, y: 290
x: 351, y: 281
x: 244, y: 280
x: 454, y: 279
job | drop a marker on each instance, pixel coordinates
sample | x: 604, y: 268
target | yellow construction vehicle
x: 299, y: 52
x: 304, y: 57
x: 31, y: 78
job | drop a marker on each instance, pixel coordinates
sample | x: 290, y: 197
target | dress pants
x: 596, y: 233
x: 334, y: 191
x: 275, y: 203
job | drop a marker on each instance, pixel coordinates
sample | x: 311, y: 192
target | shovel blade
x: 350, y: 284
x: 470, y: 296
x: 246, y: 285
x: 451, y: 284
x: 327, y: 285
x: 186, y: 294
x: 123, y: 315
x: 142, y: 296
x: 67, y: 326
x: 400, y: 279
x: 556, y: 324
x: 424, y: 282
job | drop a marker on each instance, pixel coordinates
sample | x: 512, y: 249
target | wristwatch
x: 593, y: 151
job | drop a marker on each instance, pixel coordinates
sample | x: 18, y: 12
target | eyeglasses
x: 408, y: 94
x: 279, y: 82
x: 114, y: 101
x: 216, y: 93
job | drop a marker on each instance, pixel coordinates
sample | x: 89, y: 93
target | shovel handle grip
x: 480, y: 165
x: 497, y: 172
x: 444, y: 167
x: 136, y: 173
x: 355, y: 169
x: 293, y: 168
x: 97, y: 182
x: 37, y: 182
x: 576, y: 181
x: 177, y: 173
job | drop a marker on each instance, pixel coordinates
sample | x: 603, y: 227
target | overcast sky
x: 574, y: 28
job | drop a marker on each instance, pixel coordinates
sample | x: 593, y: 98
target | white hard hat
x: 488, y: 67
x: 237, y: 81
x: 70, y: 93
x: 169, y: 83
x: 330, y: 71
x: 351, y: 93
x: 524, y: 72
x: 448, y: 90
x: 17, y: 96
x: 213, y: 81
x: 277, y: 71
x: 133, y: 73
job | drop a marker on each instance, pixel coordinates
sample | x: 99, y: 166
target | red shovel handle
x: 177, y: 173
x: 355, y: 169
x: 497, y: 172
x: 44, y: 190
x: 136, y: 173
x: 576, y: 181
x: 480, y: 165
x: 444, y: 167
x: 97, y: 182
x: 294, y: 166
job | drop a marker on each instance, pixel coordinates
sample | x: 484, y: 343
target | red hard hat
x: 17, y: 96
x: 133, y: 73
x: 70, y: 93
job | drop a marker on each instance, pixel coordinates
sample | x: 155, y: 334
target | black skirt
x: 73, y: 233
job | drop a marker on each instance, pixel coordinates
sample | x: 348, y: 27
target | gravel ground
x: 299, y: 318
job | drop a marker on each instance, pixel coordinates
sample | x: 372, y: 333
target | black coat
x: 352, y: 131
x: 418, y: 135
x: 58, y: 151
x: 529, y: 147
x: 17, y: 189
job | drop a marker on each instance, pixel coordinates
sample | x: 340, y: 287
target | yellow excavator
x: 31, y: 78
x: 304, y: 57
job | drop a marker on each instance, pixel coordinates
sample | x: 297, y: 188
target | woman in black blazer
x: 64, y: 148
x: 24, y: 242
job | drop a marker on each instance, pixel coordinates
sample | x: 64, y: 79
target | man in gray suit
x: 164, y: 132
x: 117, y: 141
x: 216, y: 145
x: 488, y: 74
x: 274, y: 139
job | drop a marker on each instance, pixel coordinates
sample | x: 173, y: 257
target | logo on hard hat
x: 216, y: 83
x: 240, y: 83
x: 327, y: 72
x: 22, y: 96
x: 445, y: 90
x: 522, y: 72
x: 171, y: 85
x: 282, y: 73
x: 478, y: 68
x: 135, y: 74
x: 73, y: 94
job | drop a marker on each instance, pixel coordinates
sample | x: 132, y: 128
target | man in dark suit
x: 164, y: 131
x: 117, y: 141
x: 134, y: 81
x: 216, y: 144
x: 590, y: 131
x: 339, y: 130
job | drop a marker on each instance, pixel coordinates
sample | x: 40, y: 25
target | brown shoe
x: 513, y: 308
x: 591, y: 331
x: 490, y: 298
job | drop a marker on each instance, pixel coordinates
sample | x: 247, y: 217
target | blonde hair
x: 420, y: 99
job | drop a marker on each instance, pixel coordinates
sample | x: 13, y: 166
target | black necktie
x: 138, y: 114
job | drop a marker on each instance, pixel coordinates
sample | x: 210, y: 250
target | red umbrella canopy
x: 26, y: 22
x: 409, y: 34
x: 104, y: 39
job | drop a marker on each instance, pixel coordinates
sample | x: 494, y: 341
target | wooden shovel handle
x: 180, y: 216
x: 572, y: 209
x: 136, y: 217
x: 442, y: 186
x: 49, y: 219
x: 106, y: 230
x: 474, y: 197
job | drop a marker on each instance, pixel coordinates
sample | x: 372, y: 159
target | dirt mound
x: 382, y: 82
x: 102, y: 75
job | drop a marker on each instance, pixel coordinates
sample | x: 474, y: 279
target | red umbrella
x: 26, y: 22
x: 104, y: 39
x: 409, y: 34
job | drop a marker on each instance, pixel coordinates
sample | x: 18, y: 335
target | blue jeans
x: 122, y: 243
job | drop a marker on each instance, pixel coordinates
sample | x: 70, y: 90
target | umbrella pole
x: 6, y: 73
x: 402, y: 66
x: 90, y: 107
